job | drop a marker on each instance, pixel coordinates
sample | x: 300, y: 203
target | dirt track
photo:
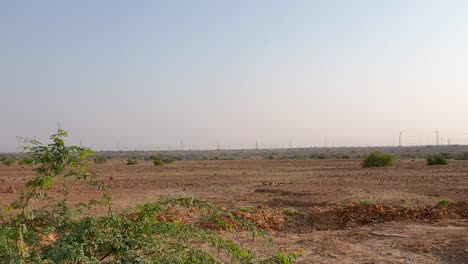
x: 402, y: 224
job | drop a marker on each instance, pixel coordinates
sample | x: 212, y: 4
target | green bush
x: 378, y: 159
x: 322, y: 156
x: 100, y: 160
x: 289, y: 211
x: 61, y: 233
x: 9, y: 161
x: 132, y: 161
x: 247, y: 209
x: 169, y: 160
x: 436, y: 160
x: 365, y: 202
x: 444, y: 202
x: 462, y: 156
x: 158, y: 162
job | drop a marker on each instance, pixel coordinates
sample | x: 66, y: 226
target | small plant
x: 158, y: 162
x: 462, y: 156
x: 169, y: 160
x: 377, y: 159
x: 444, y: 202
x: 289, y: 211
x: 9, y: 161
x: 436, y: 160
x: 365, y: 202
x: 100, y: 160
x: 132, y: 161
x: 322, y: 156
x: 247, y: 209
x: 344, y: 156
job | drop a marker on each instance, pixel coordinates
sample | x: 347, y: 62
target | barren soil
x: 342, y: 212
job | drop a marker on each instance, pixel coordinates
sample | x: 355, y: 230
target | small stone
x: 351, y: 224
x: 466, y: 250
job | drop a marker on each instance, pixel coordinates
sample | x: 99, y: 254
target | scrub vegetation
x: 41, y: 228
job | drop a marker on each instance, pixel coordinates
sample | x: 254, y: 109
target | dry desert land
x: 332, y: 211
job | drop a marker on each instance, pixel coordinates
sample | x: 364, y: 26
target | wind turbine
x: 399, y: 138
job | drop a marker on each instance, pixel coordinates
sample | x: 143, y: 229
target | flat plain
x: 331, y: 211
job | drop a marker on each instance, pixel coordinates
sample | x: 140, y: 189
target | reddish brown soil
x: 403, y: 223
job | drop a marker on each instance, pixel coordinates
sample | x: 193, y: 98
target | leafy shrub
x: 132, y: 161
x: 322, y: 156
x: 377, y: 159
x: 462, y: 156
x: 247, y: 209
x: 436, y: 160
x: 344, y: 156
x: 444, y: 202
x: 9, y: 161
x: 100, y: 160
x: 289, y: 211
x: 365, y: 202
x: 58, y: 233
x: 158, y: 162
x: 169, y: 160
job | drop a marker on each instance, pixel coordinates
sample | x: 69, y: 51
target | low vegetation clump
x: 132, y: 161
x: 365, y: 202
x: 378, y: 159
x: 100, y: 160
x: 462, y: 156
x: 436, y: 160
x: 9, y: 161
x: 247, y: 209
x: 289, y: 211
x: 322, y: 156
x: 57, y: 232
x: 344, y: 156
x: 444, y: 202
x: 158, y: 161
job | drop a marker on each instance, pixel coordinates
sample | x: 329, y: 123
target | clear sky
x: 147, y: 74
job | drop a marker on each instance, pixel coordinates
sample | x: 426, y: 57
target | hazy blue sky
x: 146, y: 74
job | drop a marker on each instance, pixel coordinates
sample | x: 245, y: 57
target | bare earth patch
x: 312, y: 206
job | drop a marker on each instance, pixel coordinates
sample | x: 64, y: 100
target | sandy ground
x: 403, y: 224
